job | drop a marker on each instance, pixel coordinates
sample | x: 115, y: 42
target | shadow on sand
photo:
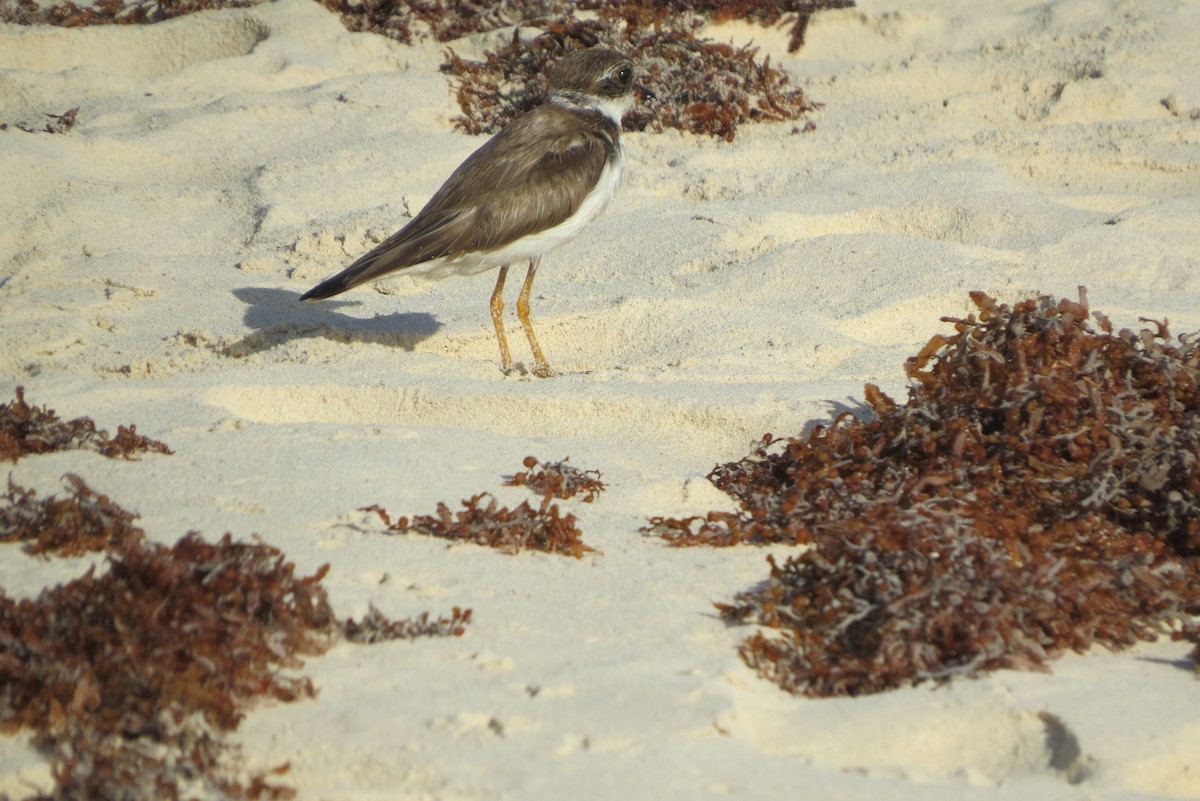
x: 277, y: 316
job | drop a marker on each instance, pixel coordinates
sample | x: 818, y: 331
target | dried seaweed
x: 1037, y: 493
x: 59, y: 123
x: 886, y: 601
x: 558, y: 480
x: 796, y: 13
x: 26, y: 429
x: 377, y: 627
x: 701, y: 86
x: 129, y: 678
x: 83, y: 522
x: 444, y: 20
x: 107, y: 12
x: 484, y: 522
x: 683, y: 14
x: 391, y: 18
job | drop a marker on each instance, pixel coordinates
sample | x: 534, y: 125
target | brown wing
x: 531, y: 176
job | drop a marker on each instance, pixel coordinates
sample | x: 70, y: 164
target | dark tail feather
x: 372, y: 265
x: 328, y: 288
x: 425, y: 238
x: 400, y: 250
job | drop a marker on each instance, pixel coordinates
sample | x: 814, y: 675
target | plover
x: 528, y: 190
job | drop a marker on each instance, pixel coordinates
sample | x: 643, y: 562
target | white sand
x: 224, y: 162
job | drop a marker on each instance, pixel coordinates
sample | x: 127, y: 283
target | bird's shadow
x: 278, y: 316
x: 1186, y: 663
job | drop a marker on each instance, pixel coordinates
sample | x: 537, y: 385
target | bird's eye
x: 625, y: 75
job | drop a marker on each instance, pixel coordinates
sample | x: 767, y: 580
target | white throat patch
x: 612, y: 107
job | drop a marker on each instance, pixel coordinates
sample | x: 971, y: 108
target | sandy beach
x: 222, y: 163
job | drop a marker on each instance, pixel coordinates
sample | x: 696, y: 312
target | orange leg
x: 497, y: 304
x: 542, y: 368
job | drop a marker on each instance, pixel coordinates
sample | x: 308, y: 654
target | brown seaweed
x: 768, y: 13
x: 1037, y: 493
x: 59, y: 123
x: 129, y: 677
x: 483, y: 521
x: 702, y: 86
x: 376, y: 627
x: 26, y: 429
x: 107, y: 12
x: 557, y: 480
x: 83, y: 522
x: 444, y: 20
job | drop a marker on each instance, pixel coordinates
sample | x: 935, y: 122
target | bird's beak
x: 644, y: 95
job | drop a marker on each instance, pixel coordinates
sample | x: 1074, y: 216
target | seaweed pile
x: 130, y: 678
x: 702, y: 86
x: 446, y: 20
x: 108, y: 12
x: 377, y: 627
x: 768, y: 13
x: 1037, y: 493
x: 558, y: 480
x: 59, y: 123
x: 484, y: 521
x: 83, y: 522
x: 26, y: 429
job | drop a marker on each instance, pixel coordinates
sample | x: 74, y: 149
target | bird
x: 531, y: 188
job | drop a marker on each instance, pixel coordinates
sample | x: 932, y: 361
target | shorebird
x: 528, y: 190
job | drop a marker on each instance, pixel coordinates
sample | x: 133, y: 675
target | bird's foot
x: 540, y: 370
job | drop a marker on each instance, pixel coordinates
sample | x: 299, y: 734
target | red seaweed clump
x: 484, y: 521
x: 446, y: 20
x: 768, y: 13
x: 558, y: 480
x: 377, y: 627
x: 129, y: 677
x: 702, y: 86
x: 80, y: 523
x: 107, y: 12
x: 58, y: 124
x: 1037, y: 493
x: 26, y: 429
